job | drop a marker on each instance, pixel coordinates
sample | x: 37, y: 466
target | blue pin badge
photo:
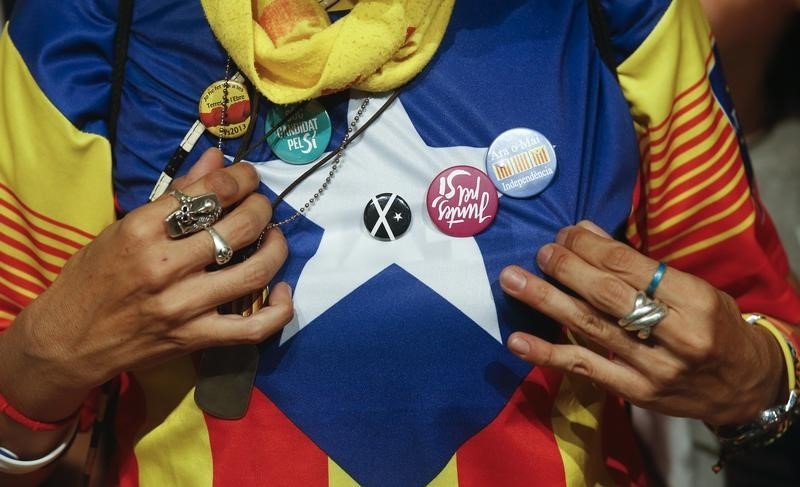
x: 521, y: 163
x: 303, y: 137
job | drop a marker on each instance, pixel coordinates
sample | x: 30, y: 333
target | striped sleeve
x: 55, y: 181
x: 694, y: 206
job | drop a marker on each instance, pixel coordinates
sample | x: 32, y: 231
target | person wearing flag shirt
x: 490, y: 358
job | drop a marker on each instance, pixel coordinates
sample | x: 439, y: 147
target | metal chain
x: 224, y: 117
x: 334, y: 167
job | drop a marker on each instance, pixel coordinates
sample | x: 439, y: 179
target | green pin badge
x: 303, y: 137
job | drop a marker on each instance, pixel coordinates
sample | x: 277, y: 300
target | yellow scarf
x: 291, y: 52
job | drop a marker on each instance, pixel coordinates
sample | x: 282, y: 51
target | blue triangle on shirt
x: 446, y: 381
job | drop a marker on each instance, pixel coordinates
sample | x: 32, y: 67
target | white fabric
x: 392, y: 138
x: 683, y: 450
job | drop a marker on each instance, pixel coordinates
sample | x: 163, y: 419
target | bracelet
x: 11, y: 464
x: 772, y: 422
x: 32, y: 424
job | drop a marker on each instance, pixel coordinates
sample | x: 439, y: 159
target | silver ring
x: 194, y: 213
x: 222, y: 251
x: 646, y: 314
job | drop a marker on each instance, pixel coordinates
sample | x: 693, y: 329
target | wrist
x: 779, y: 379
x: 28, y: 459
x: 46, y: 393
x: 773, y: 420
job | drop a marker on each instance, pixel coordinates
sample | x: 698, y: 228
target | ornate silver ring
x: 222, y: 251
x: 646, y: 314
x: 194, y: 214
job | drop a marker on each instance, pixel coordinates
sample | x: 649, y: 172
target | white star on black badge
x: 375, y: 216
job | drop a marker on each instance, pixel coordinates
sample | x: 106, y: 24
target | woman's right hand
x: 134, y: 297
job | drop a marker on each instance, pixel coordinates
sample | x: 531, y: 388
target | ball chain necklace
x: 224, y: 114
x: 225, y: 374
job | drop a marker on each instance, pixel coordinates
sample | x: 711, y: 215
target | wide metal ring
x: 222, y: 251
x: 194, y: 214
x: 646, y: 314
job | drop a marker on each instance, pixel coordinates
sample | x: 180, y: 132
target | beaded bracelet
x: 32, y: 424
x: 771, y: 423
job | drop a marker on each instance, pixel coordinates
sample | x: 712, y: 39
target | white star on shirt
x: 390, y: 157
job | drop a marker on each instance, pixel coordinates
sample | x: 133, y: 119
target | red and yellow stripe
x: 48, y: 208
x: 693, y: 206
x: 535, y: 431
x: 694, y: 193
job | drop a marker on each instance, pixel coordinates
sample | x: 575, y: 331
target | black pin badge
x: 387, y: 216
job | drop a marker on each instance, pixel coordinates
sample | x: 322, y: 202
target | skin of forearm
x: 25, y: 383
x: 33, y: 372
x: 30, y: 386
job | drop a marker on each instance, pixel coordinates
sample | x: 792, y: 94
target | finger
x: 214, y: 329
x: 575, y: 314
x: 229, y: 184
x: 592, y: 227
x: 632, y: 267
x: 610, y: 375
x: 239, y: 228
x: 211, y: 160
x: 603, y: 290
x: 202, y: 291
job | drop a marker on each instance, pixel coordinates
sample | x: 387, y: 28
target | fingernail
x: 519, y: 346
x: 561, y: 236
x: 512, y: 279
x: 543, y: 257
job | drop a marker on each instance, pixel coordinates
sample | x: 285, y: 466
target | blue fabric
x: 394, y: 393
x: 630, y: 22
x: 68, y: 47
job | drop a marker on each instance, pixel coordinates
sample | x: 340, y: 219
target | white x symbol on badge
x: 382, y: 212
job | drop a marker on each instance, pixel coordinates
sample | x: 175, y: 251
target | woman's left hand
x: 701, y: 361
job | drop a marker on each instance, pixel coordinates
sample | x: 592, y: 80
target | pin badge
x: 303, y: 137
x: 237, y: 115
x: 462, y: 202
x: 387, y: 216
x: 521, y: 163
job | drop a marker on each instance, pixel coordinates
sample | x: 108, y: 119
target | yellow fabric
x: 173, y: 447
x: 448, y: 477
x: 576, y: 426
x: 665, y: 64
x: 666, y: 82
x: 291, y: 52
x: 49, y: 210
x: 338, y: 477
x: 82, y: 199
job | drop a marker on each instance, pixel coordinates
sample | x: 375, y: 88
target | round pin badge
x: 521, y: 163
x: 237, y: 115
x: 303, y: 137
x: 462, y: 201
x: 387, y: 216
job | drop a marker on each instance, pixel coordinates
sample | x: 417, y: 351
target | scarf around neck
x: 291, y: 52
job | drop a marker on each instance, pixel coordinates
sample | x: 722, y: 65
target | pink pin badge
x: 462, y: 201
